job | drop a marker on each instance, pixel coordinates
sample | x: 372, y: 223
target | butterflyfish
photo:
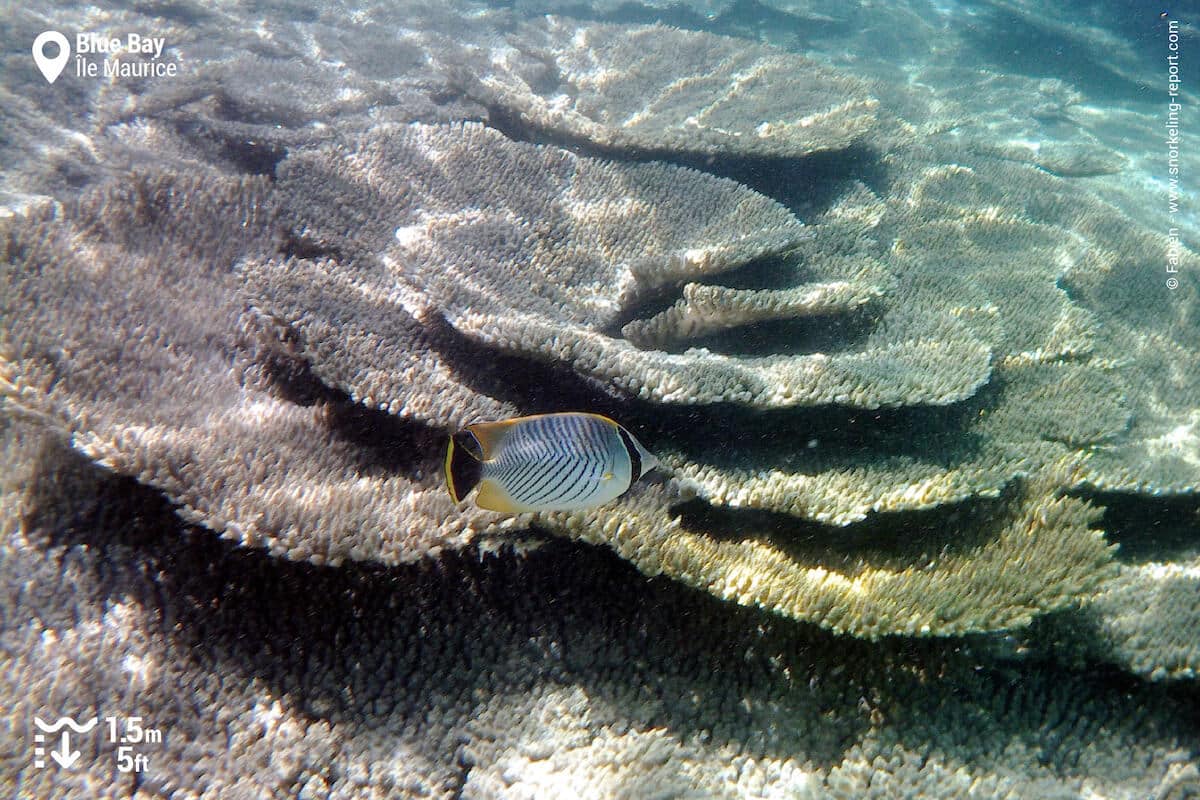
x: 546, y: 462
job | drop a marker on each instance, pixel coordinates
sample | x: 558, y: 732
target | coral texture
x: 241, y: 309
x: 134, y: 342
x: 313, y: 481
x: 655, y: 89
x: 1009, y: 561
x: 537, y: 252
x: 489, y: 675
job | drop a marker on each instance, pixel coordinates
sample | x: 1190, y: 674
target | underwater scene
x: 600, y: 399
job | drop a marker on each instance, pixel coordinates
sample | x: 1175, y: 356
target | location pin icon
x: 51, y: 68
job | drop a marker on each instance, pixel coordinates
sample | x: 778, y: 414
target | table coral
x: 655, y: 89
x: 537, y: 252
x: 228, y: 518
x: 480, y: 674
x: 136, y: 345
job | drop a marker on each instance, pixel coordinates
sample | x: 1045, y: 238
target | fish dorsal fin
x: 491, y: 435
x: 599, y: 418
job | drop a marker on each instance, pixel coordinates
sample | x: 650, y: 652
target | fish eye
x: 467, y: 441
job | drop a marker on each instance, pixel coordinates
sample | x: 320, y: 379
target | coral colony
x: 909, y: 380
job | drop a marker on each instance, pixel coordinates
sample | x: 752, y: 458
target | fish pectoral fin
x: 608, y: 476
x: 492, y: 497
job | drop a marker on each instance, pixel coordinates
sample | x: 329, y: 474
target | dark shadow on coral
x: 386, y: 443
x: 394, y: 650
x: 770, y: 272
x: 1149, y: 528
x: 72, y: 500
x: 834, y: 332
x: 287, y: 9
x: 297, y: 244
x: 819, y: 437
x: 365, y: 642
x: 807, y: 186
x: 894, y: 540
x: 927, y: 432
x: 532, y: 386
x: 790, y: 337
x: 247, y: 154
x: 271, y: 349
x: 185, y: 13
x: 382, y: 442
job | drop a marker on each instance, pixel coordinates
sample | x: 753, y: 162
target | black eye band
x: 467, y: 441
x: 635, y: 458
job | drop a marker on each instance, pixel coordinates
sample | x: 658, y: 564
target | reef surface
x: 929, y: 523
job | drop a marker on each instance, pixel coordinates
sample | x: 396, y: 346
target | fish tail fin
x: 462, y: 468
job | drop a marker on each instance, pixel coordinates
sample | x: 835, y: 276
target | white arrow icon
x: 51, y: 68
x: 64, y: 755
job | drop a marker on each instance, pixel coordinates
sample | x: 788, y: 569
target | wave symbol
x: 65, y: 722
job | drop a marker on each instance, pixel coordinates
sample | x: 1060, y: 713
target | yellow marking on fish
x: 491, y: 435
x: 446, y: 473
x: 493, y: 497
x: 545, y: 462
